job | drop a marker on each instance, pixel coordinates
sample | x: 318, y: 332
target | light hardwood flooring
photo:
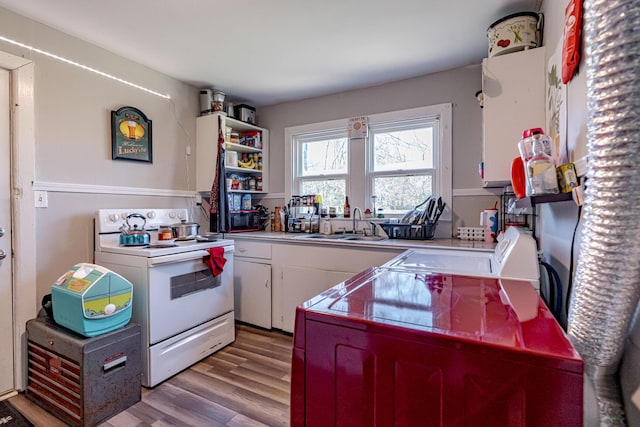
x: 245, y: 384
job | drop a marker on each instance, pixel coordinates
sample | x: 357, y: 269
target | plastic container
x: 541, y: 170
x: 525, y: 146
x: 471, y: 233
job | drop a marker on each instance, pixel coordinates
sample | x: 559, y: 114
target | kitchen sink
x: 348, y: 237
x: 363, y: 238
x: 321, y: 236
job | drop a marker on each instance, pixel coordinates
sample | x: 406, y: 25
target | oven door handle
x: 174, y: 258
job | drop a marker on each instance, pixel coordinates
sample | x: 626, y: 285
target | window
x: 402, y: 167
x: 322, y: 160
x: 405, y: 158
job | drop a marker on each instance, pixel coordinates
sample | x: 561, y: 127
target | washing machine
x: 437, y: 337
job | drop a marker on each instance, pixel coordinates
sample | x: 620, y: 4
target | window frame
x: 387, y: 126
x: 359, y: 175
x: 298, y: 177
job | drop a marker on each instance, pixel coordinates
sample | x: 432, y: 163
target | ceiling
x: 268, y: 52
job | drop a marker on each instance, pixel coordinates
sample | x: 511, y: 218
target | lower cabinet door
x: 252, y: 293
x: 301, y: 284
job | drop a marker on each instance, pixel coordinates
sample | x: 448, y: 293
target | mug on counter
x: 489, y: 220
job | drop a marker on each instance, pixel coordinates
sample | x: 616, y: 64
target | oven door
x: 183, y: 293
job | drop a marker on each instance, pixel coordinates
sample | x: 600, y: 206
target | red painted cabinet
x: 396, y: 349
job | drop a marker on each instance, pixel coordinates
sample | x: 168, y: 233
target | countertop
x: 303, y: 238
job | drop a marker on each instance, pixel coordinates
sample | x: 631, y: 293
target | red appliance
x: 394, y: 347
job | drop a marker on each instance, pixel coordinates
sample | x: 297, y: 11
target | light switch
x: 41, y: 199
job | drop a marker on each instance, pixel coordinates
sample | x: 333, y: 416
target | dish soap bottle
x: 541, y: 171
x: 347, y: 208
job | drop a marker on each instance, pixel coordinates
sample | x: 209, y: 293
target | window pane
x: 332, y: 191
x: 401, y: 193
x: 403, y: 150
x: 324, y: 157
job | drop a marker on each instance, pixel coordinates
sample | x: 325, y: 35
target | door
x: 6, y: 286
x: 252, y: 293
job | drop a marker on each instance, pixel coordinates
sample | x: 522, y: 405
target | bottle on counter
x: 277, y: 223
x: 347, y: 208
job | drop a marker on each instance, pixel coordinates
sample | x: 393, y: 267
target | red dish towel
x: 216, y: 260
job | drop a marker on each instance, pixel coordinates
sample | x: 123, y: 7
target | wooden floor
x: 244, y: 384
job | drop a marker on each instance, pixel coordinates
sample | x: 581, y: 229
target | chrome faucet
x: 377, y: 230
x: 359, y: 212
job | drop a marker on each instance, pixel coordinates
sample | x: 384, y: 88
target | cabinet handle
x: 242, y: 250
x: 266, y: 284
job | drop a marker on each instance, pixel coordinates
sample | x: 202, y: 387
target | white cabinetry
x: 514, y: 100
x: 207, y: 134
x: 302, y: 271
x: 303, y: 283
x: 252, y: 283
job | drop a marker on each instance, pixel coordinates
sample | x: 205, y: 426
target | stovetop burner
x: 110, y: 221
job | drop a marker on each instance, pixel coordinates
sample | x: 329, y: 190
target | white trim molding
x: 474, y: 192
x: 58, y: 187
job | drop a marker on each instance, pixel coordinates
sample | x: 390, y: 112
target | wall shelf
x: 531, y: 202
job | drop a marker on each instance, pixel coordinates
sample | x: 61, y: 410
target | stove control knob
x: 181, y: 215
x: 151, y: 214
x: 172, y: 214
x: 124, y: 216
x: 113, y: 217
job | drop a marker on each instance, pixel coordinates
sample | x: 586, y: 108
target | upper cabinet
x: 514, y: 99
x: 247, y: 154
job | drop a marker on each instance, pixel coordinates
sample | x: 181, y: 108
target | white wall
x: 73, y: 141
x: 558, y: 220
x: 456, y: 86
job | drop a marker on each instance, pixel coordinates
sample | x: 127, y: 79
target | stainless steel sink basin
x: 347, y: 237
x: 363, y: 238
x: 321, y: 236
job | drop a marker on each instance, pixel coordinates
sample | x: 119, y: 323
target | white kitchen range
x: 182, y: 287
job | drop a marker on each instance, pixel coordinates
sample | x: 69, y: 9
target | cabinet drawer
x: 252, y: 249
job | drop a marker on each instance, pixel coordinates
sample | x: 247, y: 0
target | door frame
x: 23, y: 213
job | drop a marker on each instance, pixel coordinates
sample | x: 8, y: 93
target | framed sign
x: 131, y: 135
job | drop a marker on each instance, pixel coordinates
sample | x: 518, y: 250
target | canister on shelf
x: 218, y: 100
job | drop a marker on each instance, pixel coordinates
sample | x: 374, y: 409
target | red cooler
x: 399, y: 348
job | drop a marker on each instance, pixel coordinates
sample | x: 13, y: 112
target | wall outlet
x: 41, y: 199
x: 198, y: 199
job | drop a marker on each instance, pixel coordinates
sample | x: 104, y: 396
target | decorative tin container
x: 515, y: 32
